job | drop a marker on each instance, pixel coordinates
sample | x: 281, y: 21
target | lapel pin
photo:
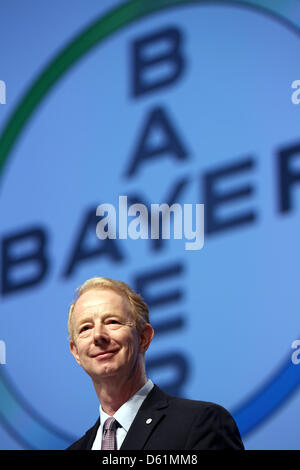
x: 148, y: 421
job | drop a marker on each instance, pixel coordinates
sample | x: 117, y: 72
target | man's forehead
x: 101, y: 300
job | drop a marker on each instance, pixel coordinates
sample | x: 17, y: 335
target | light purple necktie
x: 109, y: 434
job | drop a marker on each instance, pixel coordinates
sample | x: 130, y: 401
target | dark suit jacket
x: 177, y: 424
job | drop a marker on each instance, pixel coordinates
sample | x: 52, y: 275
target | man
x: 110, y: 333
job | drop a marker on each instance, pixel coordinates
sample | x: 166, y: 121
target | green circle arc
x: 15, y: 413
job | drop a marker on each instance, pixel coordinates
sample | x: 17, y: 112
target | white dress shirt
x: 124, y: 415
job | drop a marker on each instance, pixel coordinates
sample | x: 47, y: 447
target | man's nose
x: 100, y: 332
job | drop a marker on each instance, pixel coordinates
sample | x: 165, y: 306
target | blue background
x: 237, y: 299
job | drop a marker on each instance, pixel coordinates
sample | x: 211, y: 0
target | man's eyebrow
x: 85, y: 319
x: 91, y: 316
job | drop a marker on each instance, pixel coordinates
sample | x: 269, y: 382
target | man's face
x: 105, y: 341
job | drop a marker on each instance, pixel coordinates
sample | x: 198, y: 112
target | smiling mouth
x: 104, y: 354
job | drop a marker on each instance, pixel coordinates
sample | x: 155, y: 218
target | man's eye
x: 84, y: 328
x: 113, y: 321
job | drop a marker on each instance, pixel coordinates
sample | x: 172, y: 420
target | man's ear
x: 74, y: 351
x: 146, y: 337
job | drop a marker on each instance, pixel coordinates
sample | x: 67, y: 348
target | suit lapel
x: 147, y: 419
x: 91, y: 435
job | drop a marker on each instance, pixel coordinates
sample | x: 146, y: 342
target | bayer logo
x: 187, y: 106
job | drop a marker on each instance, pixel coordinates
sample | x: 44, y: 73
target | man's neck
x: 113, y: 393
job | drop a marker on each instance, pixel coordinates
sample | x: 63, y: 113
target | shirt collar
x: 127, y: 412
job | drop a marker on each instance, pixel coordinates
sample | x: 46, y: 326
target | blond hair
x: 138, y: 307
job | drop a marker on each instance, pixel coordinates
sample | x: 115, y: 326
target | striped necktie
x: 109, y: 434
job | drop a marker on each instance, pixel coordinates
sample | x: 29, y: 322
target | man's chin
x: 104, y: 373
